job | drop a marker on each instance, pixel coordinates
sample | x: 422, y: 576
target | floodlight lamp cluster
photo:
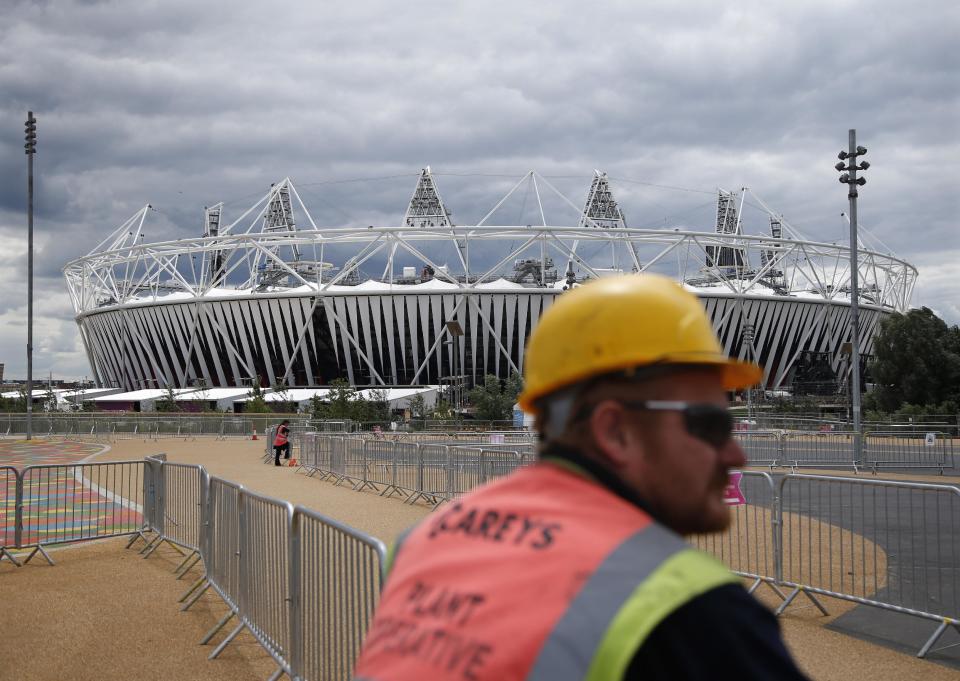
x: 849, y: 171
x: 30, y: 134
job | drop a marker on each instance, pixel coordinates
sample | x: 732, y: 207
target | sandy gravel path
x: 104, y: 613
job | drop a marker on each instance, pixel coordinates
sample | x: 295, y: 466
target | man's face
x: 679, y: 476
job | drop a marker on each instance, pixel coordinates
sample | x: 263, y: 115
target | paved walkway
x: 21, y: 453
x: 163, y: 644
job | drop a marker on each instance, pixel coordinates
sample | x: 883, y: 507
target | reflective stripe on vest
x: 543, y: 574
x: 612, y: 615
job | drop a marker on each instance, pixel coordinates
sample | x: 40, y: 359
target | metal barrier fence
x: 9, y: 503
x: 833, y: 449
x: 896, y: 450
x: 221, y: 549
x: 268, y: 435
x: 181, y: 503
x: 889, y: 544
x: 140, y: 425
x: 392, y: 460
x: 433, y: 472
x: 52, y: 504
x: 265, y: 589
x: 750, y: 546
x: 337, y: 575
x: 302, y: 584
x: 818, y: 450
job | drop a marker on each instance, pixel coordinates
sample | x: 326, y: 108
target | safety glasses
x: 708, y: 422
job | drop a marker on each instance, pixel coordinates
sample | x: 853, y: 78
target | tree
x: 917, y: 361
x: 168, y: 402
x: 49, y: 399
x: 16, y: 404
x: 257, y: 404
x: 76, y: 392
x: 418, y: 406
x: 377, y: 408
x: 338, y: 404
x: 442, y: 411
x: 493, y: 399
x: 281, y: 398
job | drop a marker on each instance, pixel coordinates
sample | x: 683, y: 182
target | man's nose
x: 732, y: 454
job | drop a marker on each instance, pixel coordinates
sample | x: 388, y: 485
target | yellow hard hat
x: 617, y: 323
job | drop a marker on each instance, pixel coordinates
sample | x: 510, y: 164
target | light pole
x: 30, y: 148
x: 748, y: 339
x: 849, y: 178
x: 455, y: 331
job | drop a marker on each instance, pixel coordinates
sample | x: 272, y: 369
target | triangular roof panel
x: 426, y: 208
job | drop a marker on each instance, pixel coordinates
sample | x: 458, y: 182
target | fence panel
x: 748, y: 546
x: 464, y: 472
x: 235, y: 426
x: 153, y: 492
x: 264, y: 572
x: 182, y: 497
x: 74, y: 502
x: 894, y: 545
x: 269, y: 434
x: 406, y: 461
x: 763, y: 448
x: 222, y: 540
x: 324, y: 454
x: 297, y: 431
x: 435, y: 460
x: 380, y: 463
x: 903, y: 450
x: 9, y: 489
x: 308, y: 452
x: 337, y: 467
x: 337, y: 576
x: 827, y: 449
x: 354, y: 461
x: 496, y: 463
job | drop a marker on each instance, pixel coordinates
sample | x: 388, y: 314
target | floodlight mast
x: 30, y: 148
x: 849, y: 178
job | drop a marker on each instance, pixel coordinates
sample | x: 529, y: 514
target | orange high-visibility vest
x: 281, y: 438
x: 542, y: 575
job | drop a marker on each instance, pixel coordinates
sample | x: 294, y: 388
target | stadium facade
x: 274, y: 298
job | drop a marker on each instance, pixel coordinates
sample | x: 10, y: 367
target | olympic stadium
x: 275, y: 298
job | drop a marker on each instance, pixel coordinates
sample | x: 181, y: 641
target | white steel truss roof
x: 255, y: 295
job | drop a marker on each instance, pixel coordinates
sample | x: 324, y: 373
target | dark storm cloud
x: 182, y: 104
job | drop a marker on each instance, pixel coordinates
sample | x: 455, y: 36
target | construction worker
x: 575, y: 568
x: 281, y: 442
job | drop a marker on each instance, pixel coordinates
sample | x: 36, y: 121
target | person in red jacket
x: 575, y: 567
x: 281, y: 442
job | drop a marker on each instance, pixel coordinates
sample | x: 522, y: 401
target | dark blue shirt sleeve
x: 724, y: 633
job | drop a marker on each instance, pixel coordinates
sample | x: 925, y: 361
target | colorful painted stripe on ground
x: 66, y: 503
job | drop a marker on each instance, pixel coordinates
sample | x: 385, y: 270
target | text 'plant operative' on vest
x: 495, y: 525
x: 430, y: 629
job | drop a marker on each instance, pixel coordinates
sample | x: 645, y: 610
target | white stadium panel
x: 786, y: 330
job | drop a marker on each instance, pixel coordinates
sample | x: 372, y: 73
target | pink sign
x: 732, y: 495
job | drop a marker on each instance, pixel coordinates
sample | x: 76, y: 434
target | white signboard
x: 930, y: 440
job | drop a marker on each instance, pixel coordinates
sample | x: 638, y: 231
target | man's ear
x: 611, y: 434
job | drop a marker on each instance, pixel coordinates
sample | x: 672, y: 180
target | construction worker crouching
x: 575, y: 568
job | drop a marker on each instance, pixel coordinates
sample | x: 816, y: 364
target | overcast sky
x: 182, y: 104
